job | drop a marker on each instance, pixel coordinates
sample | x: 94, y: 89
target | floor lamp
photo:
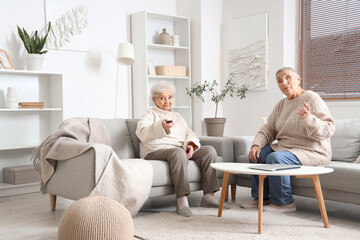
x: 125, y: 56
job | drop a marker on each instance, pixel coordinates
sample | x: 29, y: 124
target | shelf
x: 165, y: 47
x: 28, y: 73
x: 23, y: 129
x: 174, y: 107
x: 166, y: 77
x: 181, y: 107
x: 14, y: 147
x: 146, y: 28
x: 171, y: 18
x: 29, y: 109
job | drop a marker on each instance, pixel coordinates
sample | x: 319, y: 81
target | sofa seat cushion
x: 242, y: 159
x: 161, y: 174
x: 346, y: 177
x: 345, y: 142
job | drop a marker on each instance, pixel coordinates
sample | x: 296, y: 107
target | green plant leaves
x: 230, y: 89
x: 34, y: 44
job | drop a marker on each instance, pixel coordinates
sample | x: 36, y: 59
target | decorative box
x: 20, y: 174
x: 177, y: 71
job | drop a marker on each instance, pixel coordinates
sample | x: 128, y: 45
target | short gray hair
x: 287, y: 68
x: 162, y: 86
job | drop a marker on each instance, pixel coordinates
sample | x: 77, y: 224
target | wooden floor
x: 29, y: 216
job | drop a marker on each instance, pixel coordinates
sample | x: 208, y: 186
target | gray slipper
x: 206, y: 204
x: 185, y: 211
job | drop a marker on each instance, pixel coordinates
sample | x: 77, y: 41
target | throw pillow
x: 345, y: 143
x: 132, y: 125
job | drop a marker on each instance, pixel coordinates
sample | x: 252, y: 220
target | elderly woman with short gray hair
x: 302, y: 125
x: 164, y: 135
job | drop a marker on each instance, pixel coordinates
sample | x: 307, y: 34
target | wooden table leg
x: 233, y: 192
x: 227, y: 194
x: 52, y: 202
x: 223, y: 192
x: 320, y: 198
x: 260, y: 201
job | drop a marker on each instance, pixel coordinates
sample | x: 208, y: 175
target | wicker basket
x: 178, y: 71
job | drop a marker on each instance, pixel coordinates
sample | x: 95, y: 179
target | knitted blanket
x: 116, y: 178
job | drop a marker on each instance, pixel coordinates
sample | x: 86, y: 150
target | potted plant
x: 34, y: 46
x: 215, y: 126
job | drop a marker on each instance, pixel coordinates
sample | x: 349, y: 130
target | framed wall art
x: 247, y: 53
x: 69, y: 25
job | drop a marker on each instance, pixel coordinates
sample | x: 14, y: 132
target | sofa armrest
x: 76, y: 177
x: 242, y: 145
x: 223, y: 146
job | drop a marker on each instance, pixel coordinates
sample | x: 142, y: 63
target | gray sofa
x: 126, y: 145
x: 342, y: 184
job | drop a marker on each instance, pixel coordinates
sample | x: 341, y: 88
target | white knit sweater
x: 153, y: 136
x: 308, y: 139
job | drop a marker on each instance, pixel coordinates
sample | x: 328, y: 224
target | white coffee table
x: 303, y: 172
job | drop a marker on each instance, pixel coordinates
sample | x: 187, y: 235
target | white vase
x: 34, y: 62
x: 175, y: 40
x: 11, y: 98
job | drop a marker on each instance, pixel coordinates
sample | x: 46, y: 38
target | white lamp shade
x: 125, y: 53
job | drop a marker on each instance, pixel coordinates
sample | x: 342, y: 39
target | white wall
x: 89, y: 77
x: 205, y: 23
x: 194, y: 12
x: 244, y: 116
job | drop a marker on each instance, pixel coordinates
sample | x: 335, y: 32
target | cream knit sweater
x: 308, y: 139
x: 152, y: 134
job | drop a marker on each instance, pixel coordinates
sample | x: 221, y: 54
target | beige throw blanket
x: 128, y: 181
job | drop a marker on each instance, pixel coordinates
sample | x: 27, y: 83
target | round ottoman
x: 96, y: 217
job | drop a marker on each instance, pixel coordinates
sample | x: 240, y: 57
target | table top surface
x: 243, y: 168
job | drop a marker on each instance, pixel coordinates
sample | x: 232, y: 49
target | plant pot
x: 215, y: 126
x: 34, y: 62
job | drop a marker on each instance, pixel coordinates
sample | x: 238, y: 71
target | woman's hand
x: 167, y: 126
x: 254, y: 153
x: 189, y: 151
x: 304, y: 111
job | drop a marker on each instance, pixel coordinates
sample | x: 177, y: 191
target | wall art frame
x: 247, y: 53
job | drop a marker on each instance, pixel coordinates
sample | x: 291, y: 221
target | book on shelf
x: 31, y: 104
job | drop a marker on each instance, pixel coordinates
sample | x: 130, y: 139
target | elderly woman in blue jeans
x: 302, y: 125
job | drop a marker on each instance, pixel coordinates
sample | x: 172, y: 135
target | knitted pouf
x: 94, y: 218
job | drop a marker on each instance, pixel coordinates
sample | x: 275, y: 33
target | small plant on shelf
x: 230, y: 89
x: 35, y: 43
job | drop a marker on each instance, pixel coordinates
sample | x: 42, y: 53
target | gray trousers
x: 178, y: 164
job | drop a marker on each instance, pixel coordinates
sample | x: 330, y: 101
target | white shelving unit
x: 24, y: 129
x: 146, y: 27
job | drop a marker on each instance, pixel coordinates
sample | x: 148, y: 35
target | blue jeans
x: 277, y: 188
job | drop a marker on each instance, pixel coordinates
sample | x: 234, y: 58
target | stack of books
x: 31, y: 104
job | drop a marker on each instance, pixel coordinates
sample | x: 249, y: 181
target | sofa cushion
x: 132, y: 125
x: 161, y: 174
x: 120, y: 137
x: 345, y: 143
x: 345, y: 178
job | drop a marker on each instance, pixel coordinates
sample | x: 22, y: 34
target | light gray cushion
x: 120, y: 138
x: 132, y: 125
x: 344, y: 178
x: 345, y: 143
